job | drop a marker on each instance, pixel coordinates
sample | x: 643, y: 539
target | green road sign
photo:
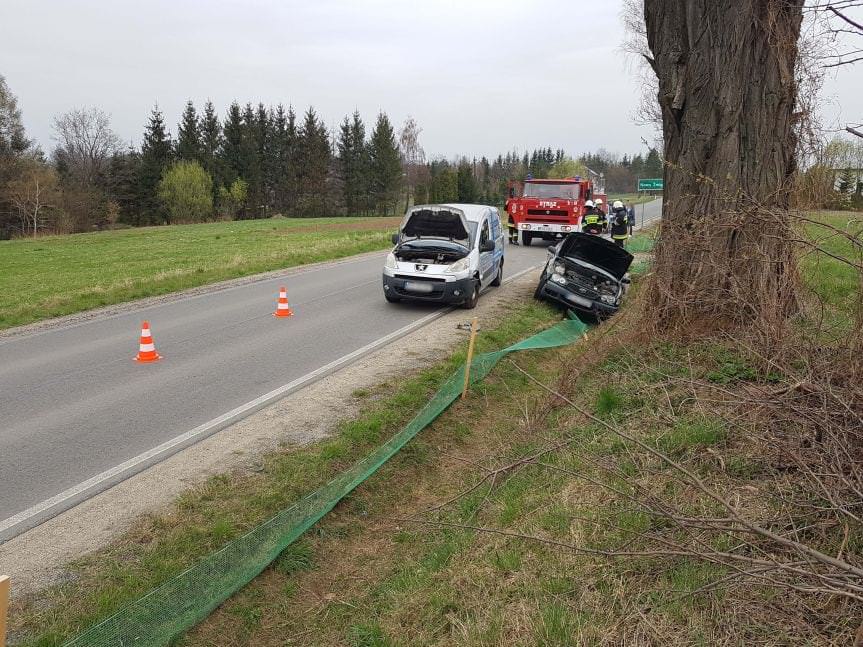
x: 654, y: 184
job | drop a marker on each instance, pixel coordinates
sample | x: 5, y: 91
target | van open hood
x: 597, y: 251
x: 436, y: 221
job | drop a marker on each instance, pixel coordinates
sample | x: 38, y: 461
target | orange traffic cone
x: 146, y: 349
x: 282, y: 308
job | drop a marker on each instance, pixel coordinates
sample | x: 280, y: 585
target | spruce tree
x: 467, y: 188
x: 354, y: 164
x: 386, y: 167
x: 189, y: 135
x: 289, y: 167
x: 156, y: 154
x: 314, y: 165
x: 231, y: 151
x: 363, y: 164
x: 121, y: 184
x: 211, y: 143
x: 278, y: 156
x: 250, y: 164
x: 653, y: 164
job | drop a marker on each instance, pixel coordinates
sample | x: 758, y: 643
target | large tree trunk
x: 727, y: 93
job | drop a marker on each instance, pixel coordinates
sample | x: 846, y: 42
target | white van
x: 445, y: 253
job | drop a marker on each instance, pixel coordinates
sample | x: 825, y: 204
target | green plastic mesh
x: 189, y: 597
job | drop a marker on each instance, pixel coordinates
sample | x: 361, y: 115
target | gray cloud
x: 480, y: 76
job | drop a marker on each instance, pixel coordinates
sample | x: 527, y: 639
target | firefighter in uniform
x: 619, y: 223
x: 593, y: 221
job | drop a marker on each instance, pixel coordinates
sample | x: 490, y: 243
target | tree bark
x: 727, y: 94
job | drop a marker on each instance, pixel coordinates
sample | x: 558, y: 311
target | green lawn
x: 834, y: 282
x: 630, y: 198
x: 58, y: 275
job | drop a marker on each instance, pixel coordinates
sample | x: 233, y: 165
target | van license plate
x: 413, y: 286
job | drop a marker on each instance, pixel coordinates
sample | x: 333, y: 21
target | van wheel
x: 526, y: 238
x: 499, y: 278
x: 470, y: 302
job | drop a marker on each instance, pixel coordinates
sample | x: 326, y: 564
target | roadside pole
x: 4, y: 607
x: 474, y: 325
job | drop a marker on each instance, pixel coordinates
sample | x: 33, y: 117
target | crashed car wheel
x: 499, y: 278
x: 537, y: 294
x: 470, y: 302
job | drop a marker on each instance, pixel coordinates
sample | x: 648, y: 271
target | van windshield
x: 562, y: 191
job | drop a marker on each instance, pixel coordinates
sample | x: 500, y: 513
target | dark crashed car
x: 587, y: 274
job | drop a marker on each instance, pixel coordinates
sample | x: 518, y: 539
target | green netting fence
x: 186, y: 599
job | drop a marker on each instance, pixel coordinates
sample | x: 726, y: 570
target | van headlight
x: 391, y: 262
x: 459, y: 266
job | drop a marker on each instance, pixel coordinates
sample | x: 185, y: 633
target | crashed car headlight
x: 607, y: 298
x: 391, y: 262
x: 559, y: 269
x: 458, y: 266
x: 557, y: 278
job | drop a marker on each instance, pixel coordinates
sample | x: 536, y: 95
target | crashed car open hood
x: 447, y: 223
x: 597, y: 251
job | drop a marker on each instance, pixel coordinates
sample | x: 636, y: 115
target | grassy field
x: 831, y: 280
x: 58, y: 275
x: 630, y: 198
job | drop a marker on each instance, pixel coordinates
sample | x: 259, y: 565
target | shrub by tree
x: 567, y: 167
x: 232, y: 199
x: 186, y: 192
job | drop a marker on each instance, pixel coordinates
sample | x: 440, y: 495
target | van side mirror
x: 487, y: 246
x: 395, y: 238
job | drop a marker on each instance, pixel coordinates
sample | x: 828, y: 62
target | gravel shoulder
x: 37, y: 558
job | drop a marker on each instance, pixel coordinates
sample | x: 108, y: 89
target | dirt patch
x: 37, y: 558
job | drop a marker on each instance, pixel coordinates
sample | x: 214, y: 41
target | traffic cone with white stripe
x: 147, y: 349
x: 282, y: 307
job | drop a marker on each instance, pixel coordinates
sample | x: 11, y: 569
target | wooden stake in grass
x: 474, y: 326
x: 4, y: 607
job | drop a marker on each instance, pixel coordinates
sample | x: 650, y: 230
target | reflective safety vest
x: 592, y: 219
x: 620, y: 226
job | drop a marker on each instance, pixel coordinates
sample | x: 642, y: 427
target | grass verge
x: 58, y: 275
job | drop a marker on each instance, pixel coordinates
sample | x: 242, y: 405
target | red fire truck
x: 550, y: 209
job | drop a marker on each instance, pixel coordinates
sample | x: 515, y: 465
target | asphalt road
x: 77, y: 414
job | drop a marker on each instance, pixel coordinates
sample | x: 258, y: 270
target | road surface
x: 78, y: 415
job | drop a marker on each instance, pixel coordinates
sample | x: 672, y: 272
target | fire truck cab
x: 549, y: 208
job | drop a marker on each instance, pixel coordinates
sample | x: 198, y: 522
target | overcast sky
x: 480, y: 76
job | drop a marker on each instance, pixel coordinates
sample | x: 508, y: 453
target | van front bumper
x: 408, y: 287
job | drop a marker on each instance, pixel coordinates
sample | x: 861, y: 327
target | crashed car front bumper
x: 564, y: 296
x: 441, y: 291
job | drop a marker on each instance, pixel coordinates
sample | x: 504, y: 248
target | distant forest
x: 256, y: 161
